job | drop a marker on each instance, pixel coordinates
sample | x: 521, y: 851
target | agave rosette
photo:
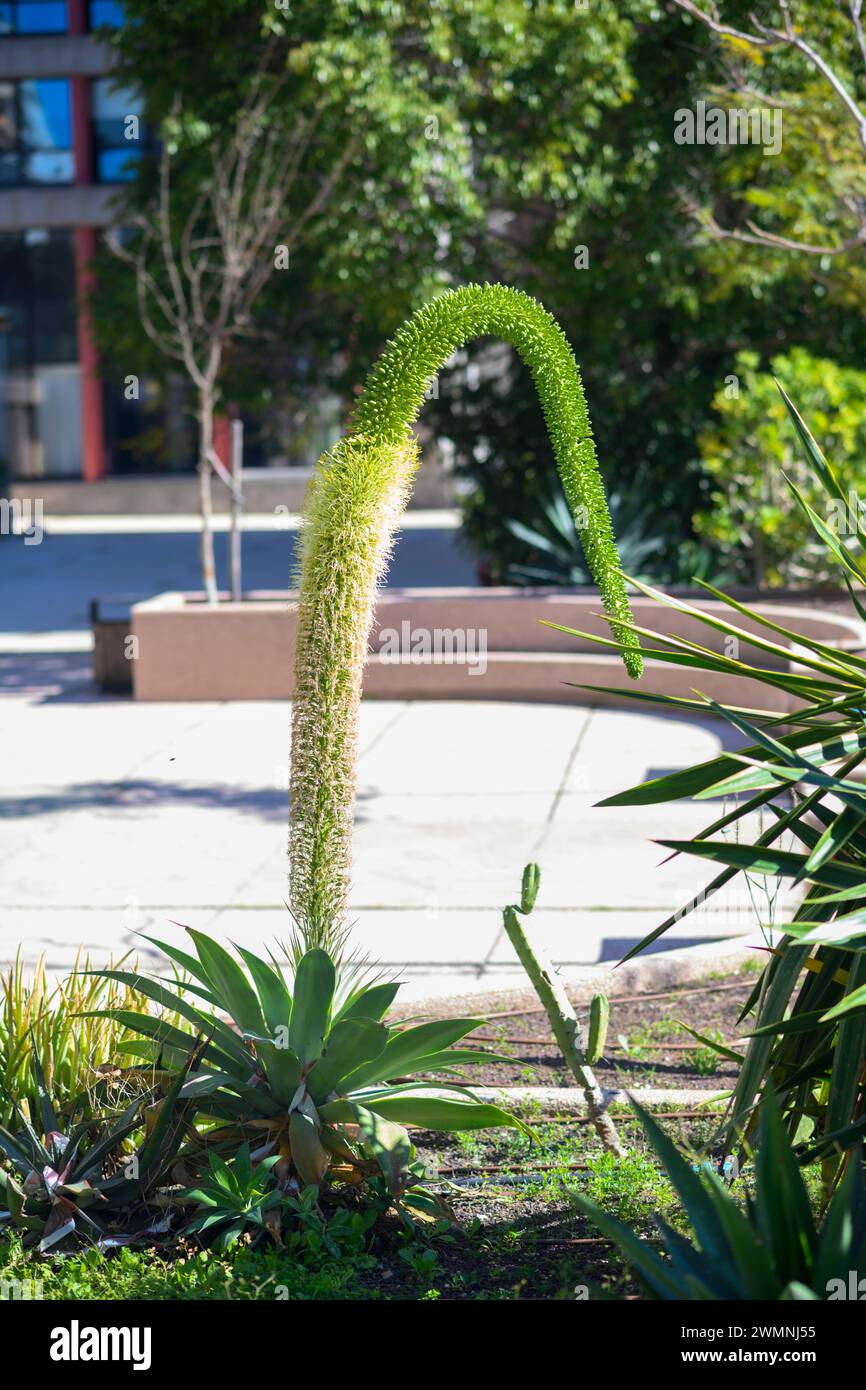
x: 312, y: 1074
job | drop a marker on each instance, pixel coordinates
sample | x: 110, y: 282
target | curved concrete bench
x: 453, y: 644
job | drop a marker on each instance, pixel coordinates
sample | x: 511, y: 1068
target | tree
x: 834, y: 49
x: 199, y: 272
x: 495, y: 142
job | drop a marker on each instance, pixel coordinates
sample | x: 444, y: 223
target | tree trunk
x: 237, y: 464
x: 206, y: 551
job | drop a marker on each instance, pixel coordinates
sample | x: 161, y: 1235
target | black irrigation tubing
x: 626, y: 1117
x: 611, y: 1047
x: 623, y: 999
x: 504, y: 1168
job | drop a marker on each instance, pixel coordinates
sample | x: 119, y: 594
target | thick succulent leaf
x: 774, y: 863
x: 166, y: 1136
x: 752, y: 1260
x: 274, y: 994
x: 164, y: 1033
x: 308, y: 1155
x: 189, y: 964
x: 848, y: 1056
x: 282, y: 1069
x: 230, y: 984
x: 704, y: 1278
x: 855, y: 1000
x: 351, y: 1043
x: 19, y: 1153
x: 390, y: 1145
x: 456, y: 1057
x: 315, y: 981
x: 174, y: 1001
x: 842, y: 1241
x: 427, y: 1110
x: 717, y: 1047
x: 91, y: 1163
x: 372, y: 1002
x: 404, y: 1048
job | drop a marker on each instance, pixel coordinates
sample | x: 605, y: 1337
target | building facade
x: 69, y: 138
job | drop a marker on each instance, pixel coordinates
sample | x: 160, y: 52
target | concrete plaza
x: 119, y: 818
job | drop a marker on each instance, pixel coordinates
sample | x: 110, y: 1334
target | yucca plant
x: 310, y: 1073
x: 800, y: 768
x: 771, y: 1247
x: 352, y: 510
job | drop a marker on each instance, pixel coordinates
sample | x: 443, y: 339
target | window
x: 119, y: 135
x: 105, y: 12
x: 40, y: 390
x: 36, y: 132
x: 33, y: 17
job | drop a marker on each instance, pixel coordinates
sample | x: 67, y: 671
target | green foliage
x: 311, y: 1073
x: 234, y: 1197
x: 353, y: 507
x: 37, y: 1018
x: 756, y: 520
x: 809, y: 1004
x: 773, y: 1249
x: 59, y: 1185
x: 305, y: 1270
x: 555, y: 555
x: 495, y: 141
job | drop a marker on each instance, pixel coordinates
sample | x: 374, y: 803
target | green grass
x: 141, y: 1275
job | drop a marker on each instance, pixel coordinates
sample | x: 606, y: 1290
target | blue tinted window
x: 33, y: 17
x: 116, y: 166
x: 46, y: 116
x: 119, y: 134
x: 36, y: 132
x: 105, y: 12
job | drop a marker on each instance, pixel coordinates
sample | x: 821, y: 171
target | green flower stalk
x: 353, y: 507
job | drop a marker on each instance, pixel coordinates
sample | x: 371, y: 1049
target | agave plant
x: 800, y: 767
x: 234, y: 1197
x: 85, y: 1182
x: 312, y: 1073
x: 554, y: 540
x: 772, y: 1249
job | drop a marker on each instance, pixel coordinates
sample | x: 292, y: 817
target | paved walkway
x: 119, y: 818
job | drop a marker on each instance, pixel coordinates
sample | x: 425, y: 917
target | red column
x: 93, y: 452
x: 92, y: 423
x: 222, y: 439
x: 76, y: 16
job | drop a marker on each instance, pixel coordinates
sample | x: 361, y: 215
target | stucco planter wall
x: 456, y: 644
